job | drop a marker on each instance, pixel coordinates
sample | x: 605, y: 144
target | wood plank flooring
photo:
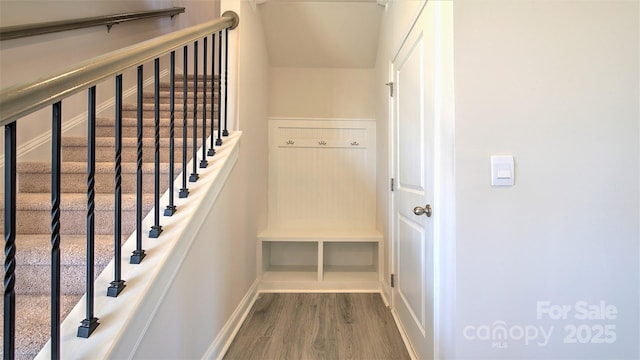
x: 318, y: 326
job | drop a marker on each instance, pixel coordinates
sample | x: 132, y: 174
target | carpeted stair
x: 33, y: 239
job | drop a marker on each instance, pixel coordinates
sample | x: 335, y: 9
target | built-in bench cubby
x: 321, y: 231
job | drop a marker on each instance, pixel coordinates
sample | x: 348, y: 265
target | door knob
x: 426, y: 210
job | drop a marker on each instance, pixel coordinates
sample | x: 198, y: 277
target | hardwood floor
x: 318, y: 326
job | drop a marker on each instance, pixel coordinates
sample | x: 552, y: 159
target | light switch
x: 502, y: 170
x: 504, y: 174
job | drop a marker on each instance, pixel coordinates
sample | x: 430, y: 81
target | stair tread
x: 80, y: 167
x: 35, y: 249
x: 165, y: 92
x: 76, y: 201
x: 126, y: 142
x: 165, y: 107
x: 133, y: 122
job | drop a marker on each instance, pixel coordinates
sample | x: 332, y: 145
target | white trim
x: 271, y: 118
x: 403, y: 334
x: 412, y: 24
x: 320, y: 291
x: 196, y: 219
x: 392, y: 175
x: 385, y: 292
x: 225, y: 337
x: 444, y: 247
x: 320, y: 286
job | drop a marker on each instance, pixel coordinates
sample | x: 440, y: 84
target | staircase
x: 33, y: 239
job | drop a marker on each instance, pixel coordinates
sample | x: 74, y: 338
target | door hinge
x: 390, y: 85
x: 392, y: 184
x: 393, y: 280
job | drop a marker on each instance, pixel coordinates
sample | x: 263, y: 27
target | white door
x: 413, y: 173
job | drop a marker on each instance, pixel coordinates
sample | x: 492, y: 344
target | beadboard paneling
x: 321, y: 174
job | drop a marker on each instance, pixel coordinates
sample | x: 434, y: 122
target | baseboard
x: 320, y: 287
x: 403, y: 334
x: 385, y: 292
x: 225, y: 337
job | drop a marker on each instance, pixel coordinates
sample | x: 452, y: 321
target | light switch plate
x: 502, y: 170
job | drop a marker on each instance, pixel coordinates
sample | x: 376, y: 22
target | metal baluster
x: 184, y: 191
x: 56, y: 164
x: 117, y: 285
x: 156, y: 229
x: 219, y: 139
x: 171, y: 208
x: 226, y: 76
x: 9, y: 339
x: 90, y: 323
x: 203, y: 161
x: 139, y: 254
x: 194, y: 175
x: 212, y: 150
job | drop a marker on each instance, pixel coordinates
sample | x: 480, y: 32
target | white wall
x: 321, y: 93
x: 556, y: 85
x: 28, y: 59
x: 221, y: 266
x: 217, y: 272
x: 25, y: 60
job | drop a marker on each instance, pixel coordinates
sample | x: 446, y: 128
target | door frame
x: 444, y: 246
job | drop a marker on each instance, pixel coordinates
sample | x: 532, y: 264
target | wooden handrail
x: 19, y: 31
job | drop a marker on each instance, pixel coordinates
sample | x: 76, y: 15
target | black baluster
x: 203, y: 161
x: 90, y: 323
x: 184, y: 191
x: 171, y: 208
x: 9, y: 339
x: 212, y: 150
x: 156, y: 229
x: 194, y: 174
x: 226, y: 76
x: 139, y: 254
x: 117, y: 285
x: 219, y: 139
x: 56, y: 163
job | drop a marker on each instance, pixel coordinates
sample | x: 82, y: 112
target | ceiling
x: 323, y: 34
